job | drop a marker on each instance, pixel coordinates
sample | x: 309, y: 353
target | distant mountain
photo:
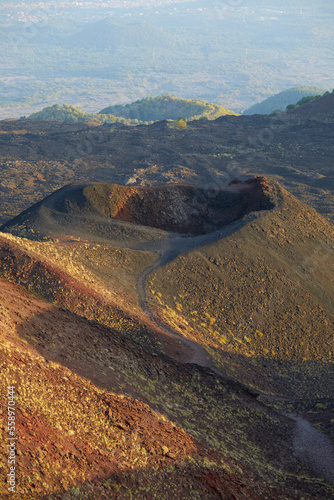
x: 282, y: 100
x: 66, y: 113
x: 167, y: 107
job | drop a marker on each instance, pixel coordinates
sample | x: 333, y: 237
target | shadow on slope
x: 86, y: 437
x: 215, y: 410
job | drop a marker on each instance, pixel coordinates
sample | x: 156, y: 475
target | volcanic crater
x: 179, y: 208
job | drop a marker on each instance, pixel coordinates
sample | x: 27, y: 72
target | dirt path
x: 195, y: 353
x: 314, y: 449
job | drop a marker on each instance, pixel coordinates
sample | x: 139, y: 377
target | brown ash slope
x: 78, y: 433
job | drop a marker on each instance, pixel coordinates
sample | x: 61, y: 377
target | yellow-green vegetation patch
x: 49, y: 281
x: 80, y: 424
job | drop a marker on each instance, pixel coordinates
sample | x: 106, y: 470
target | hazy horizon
x: 231, y: 53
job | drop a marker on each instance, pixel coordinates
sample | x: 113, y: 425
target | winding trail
x: 196, y: 353
x: 314, y: 449
x: 311, y: 447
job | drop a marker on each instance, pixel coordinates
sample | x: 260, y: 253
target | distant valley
x: 232, y: 55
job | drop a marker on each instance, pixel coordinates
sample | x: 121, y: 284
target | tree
x: 181, y: 123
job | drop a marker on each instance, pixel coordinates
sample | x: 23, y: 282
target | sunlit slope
x: 108, y: 270
x: 167, y: 107
x: 58, y: 280
x: 263, y: 292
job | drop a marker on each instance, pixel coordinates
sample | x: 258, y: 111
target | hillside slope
x: 280, y: 332
x: 79, y: 434
x: 167, y: 107
x: 99, y: 415
x: 321, y: 107
x: 281, y: 100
